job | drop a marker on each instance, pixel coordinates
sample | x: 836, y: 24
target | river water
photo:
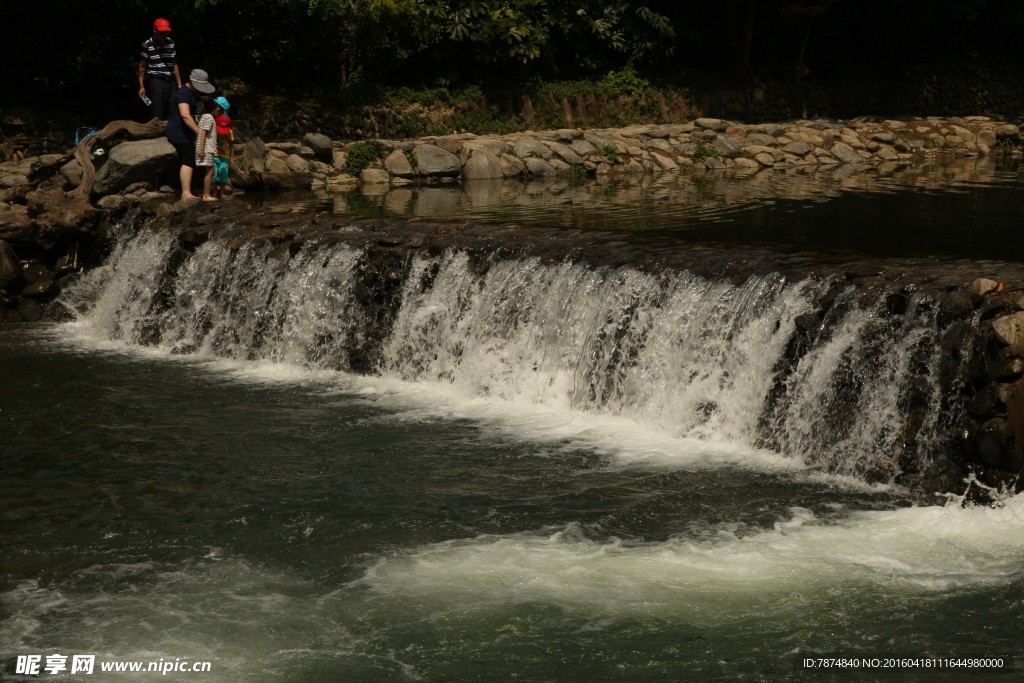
x: 497, y: 514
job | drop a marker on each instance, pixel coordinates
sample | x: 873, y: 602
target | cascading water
x: 408, y: 451
x: 681, y: 355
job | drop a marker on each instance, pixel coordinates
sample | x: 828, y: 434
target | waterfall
x: 764, y: 363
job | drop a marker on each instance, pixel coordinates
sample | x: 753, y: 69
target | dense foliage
x: 71, y: 49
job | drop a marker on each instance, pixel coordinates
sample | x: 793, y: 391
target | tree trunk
x: 741, y: 34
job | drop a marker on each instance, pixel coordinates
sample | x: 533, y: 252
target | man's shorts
x: 186, y: 154
x: 220, y: 170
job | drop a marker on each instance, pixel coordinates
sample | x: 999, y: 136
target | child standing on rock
x: 206, y: 147
x: 225, y: 146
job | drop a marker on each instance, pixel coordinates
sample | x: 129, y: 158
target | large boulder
x: 1009, y: 330
x: 253, y: 156
x: 399, y: 165
x: 320, y: 144
x: 55, y: 215
x: 539, y: 167
x: 482, y: 164
x: 16, y: 225
x: 526, y: 147
x: 434, y: 162
x: 153, y: 161
x: 845, y: 153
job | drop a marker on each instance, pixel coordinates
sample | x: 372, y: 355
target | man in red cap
x: 158, y: 70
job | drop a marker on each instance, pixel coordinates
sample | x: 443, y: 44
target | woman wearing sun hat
x: 182, y: 126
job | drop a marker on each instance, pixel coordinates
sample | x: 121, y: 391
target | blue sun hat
x: 223, y: 103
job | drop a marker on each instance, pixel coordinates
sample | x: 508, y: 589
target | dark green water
x: 289, y: 523
x: 971, y: 207
x: 306, y: 527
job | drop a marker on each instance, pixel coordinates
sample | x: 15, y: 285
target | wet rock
x: 29, y: 310
x: 985, y: 404
x: 42, y: 289
x: 981, y: 288
x: 192, y: 237
x: 991, y: 442
x: 113, y: 203
x: 1009, y: 329
x: 11, y: 274
x: 808, y: 323
x: 954, y: 306
x: 1006, y: 368
x: 36, y: 272
x: 896, y: 303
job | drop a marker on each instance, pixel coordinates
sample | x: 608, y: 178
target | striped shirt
x: 204, y: 157
x: 159, y: 58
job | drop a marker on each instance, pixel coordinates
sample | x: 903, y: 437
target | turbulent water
x: 546, y: 471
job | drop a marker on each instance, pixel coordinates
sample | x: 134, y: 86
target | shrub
x: 361, y: 155
x: 704, y: 151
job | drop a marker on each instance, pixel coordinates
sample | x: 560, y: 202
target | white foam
x: 800, y: 561
x: 245, y: 619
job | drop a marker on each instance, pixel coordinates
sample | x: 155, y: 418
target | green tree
x: 526, y: 31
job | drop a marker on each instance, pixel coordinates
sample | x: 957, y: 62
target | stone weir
x: 903, y: 371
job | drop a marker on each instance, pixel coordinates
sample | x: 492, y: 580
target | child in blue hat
x: 225, y: 145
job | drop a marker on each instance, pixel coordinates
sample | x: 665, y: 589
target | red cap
x: 223, y: 124
x: 162, y: 25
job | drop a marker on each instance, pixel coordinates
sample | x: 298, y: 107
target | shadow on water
x: 965, y: 208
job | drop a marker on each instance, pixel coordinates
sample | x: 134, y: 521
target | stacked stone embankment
x: 700, y: 146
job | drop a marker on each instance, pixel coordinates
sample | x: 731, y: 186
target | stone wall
x: 700, y: 146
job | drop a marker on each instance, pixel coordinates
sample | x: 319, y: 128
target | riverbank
x: 54, y: 209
